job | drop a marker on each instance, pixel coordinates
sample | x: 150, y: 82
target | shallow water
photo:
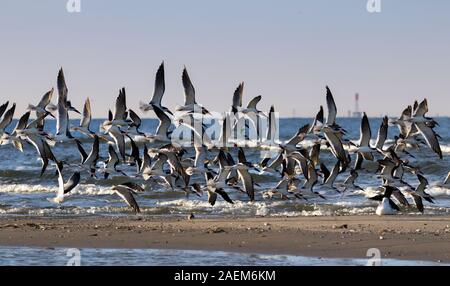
x: 23, y: 192
x: 28, y: 256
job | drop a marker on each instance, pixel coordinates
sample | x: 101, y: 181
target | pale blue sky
x: 286, y: 51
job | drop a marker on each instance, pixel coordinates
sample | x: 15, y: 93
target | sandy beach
x: 397, y: 237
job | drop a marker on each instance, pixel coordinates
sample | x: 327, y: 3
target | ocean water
x: 24, y: 193
x: 33, y: 256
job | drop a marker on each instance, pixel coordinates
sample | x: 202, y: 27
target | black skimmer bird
x: 126, y: 192
x: 158, y: 92
x: 64, y: 188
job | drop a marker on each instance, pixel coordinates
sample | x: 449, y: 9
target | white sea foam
x: 445, y: 149
x: 438, y: 191
x: 239, y: 207
x: 88, y: 189
x: 26, y: 188
x: 93, y: 190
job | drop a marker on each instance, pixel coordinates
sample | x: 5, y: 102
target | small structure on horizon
x: 356, y: 113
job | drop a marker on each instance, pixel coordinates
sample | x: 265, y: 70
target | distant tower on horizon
x: 356, y: 112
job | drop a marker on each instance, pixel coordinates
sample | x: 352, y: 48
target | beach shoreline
x: 404, y: 237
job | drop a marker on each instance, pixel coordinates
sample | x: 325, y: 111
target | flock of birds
x: 215, y: 170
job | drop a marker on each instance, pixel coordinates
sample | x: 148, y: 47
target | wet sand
x: 398, y: 237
